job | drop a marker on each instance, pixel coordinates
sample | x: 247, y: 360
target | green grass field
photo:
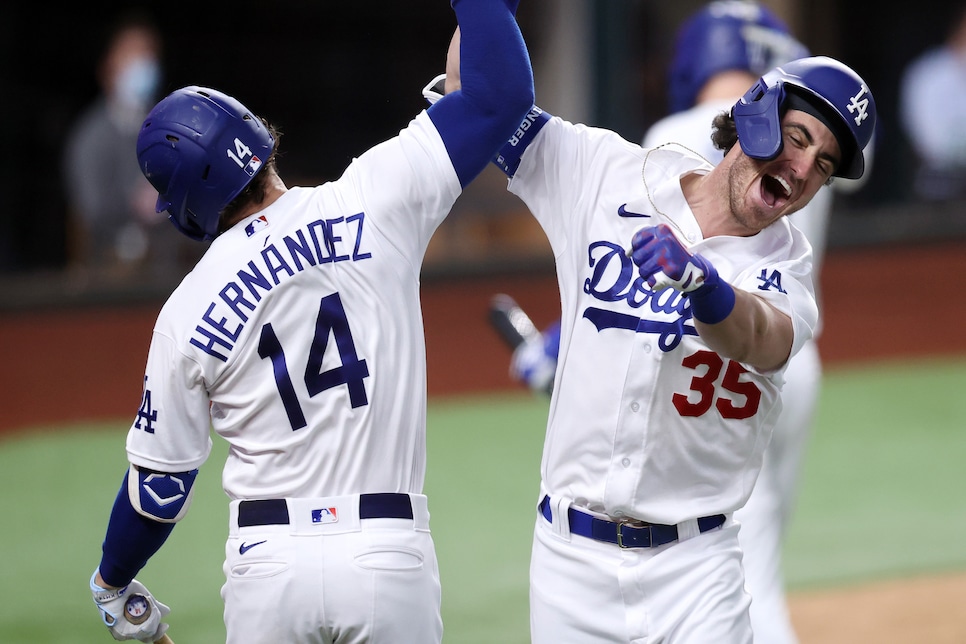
x: 883, y: 495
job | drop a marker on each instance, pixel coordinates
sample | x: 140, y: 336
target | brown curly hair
x: 724, y: 134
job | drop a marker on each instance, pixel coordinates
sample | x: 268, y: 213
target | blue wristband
x: 712, y: 302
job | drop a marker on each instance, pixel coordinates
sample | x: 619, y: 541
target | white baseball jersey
x: 645, y: 420
x: 299, y: 338
x: 765, y: 516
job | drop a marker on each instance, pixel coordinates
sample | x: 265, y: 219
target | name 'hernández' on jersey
x: 323, y: 241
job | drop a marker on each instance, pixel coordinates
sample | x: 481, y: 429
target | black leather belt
x: 371, y: 506
x: 626, y: 535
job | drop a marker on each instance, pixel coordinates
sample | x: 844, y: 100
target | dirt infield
x: 87, y: 364
x: 926, y: 609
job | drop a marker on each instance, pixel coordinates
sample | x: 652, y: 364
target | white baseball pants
x: 329, y: 576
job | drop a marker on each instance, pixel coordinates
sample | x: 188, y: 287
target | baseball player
x: 684, y: 294
x: 298, y: 338
x: 720, y: 51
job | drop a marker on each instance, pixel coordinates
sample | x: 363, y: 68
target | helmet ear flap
x: 757, y: 117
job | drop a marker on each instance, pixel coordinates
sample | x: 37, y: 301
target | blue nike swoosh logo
x: 624, y: 212
x: 245, y: 547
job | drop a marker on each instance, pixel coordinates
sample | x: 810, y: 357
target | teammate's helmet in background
x: 823, y: 86
x: 199, y: 148
x: 727, y: 35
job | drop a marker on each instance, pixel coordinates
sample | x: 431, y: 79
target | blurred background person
x: 114, y: 230
x: 933, y: 112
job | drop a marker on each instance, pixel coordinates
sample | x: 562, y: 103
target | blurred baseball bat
x: 511, y: 322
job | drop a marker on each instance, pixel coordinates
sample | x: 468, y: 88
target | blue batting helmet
x: 828, y: 89
x: 199, y: 148
x: 727, y: 35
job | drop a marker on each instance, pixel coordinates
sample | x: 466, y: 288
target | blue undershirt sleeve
x: 131, y: 540
x: 497, y: 87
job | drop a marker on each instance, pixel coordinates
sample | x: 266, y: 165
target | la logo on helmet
x: 860, y: 105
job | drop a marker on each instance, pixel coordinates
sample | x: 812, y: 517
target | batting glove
x: 664, y: 262
x: 130, y: 613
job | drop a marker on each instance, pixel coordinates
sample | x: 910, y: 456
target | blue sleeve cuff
x: 508, y: 158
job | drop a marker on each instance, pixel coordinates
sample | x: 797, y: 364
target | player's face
x: 763, y: 191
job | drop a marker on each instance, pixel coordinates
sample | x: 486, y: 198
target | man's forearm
x: 754, y: 333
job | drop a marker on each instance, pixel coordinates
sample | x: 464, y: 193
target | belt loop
x: 233, y: 517
x: 688, y: 529
x: 420, y: 512
x: 560, y: 524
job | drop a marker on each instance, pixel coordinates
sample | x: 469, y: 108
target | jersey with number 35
x: 298, y: 337
x: 646, y: 420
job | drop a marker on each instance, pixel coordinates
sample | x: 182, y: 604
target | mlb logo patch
x: 325, y: 515
x: 256, y: 225
x: 253, y: 166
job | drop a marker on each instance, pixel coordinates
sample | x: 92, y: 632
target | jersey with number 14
x: 298, y: 337
x: 646, y: 421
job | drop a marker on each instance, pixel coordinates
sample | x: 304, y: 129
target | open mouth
x: 775, y: 191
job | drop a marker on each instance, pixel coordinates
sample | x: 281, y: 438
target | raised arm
x: 496, y: 86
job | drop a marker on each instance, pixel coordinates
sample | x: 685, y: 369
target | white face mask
x: 138, y: 82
